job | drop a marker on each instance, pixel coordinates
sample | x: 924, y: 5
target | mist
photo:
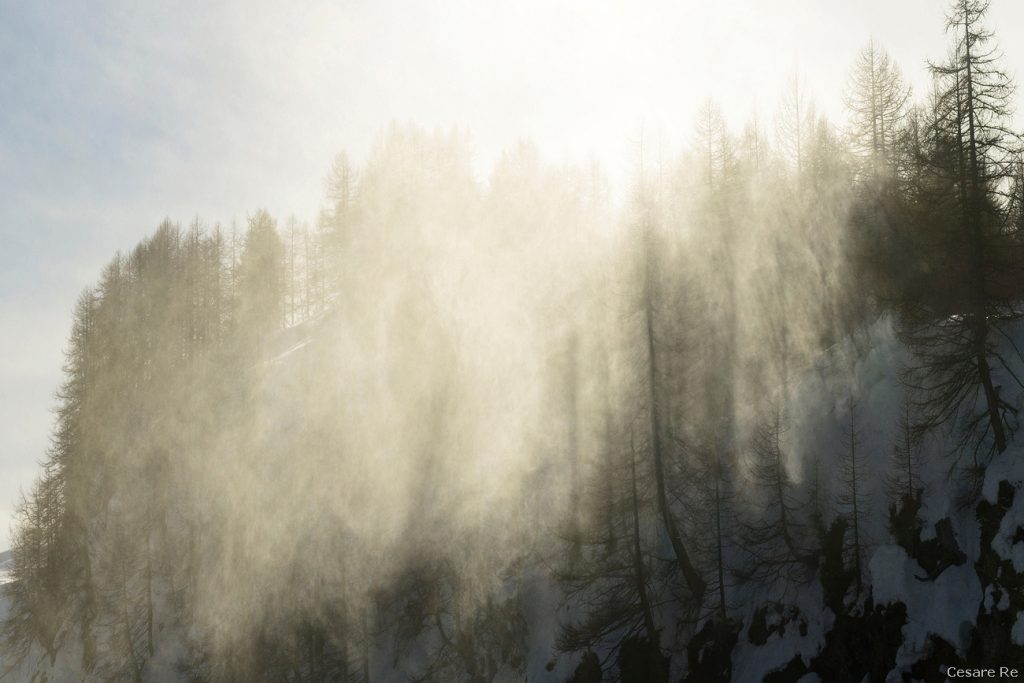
x: 690, y: 404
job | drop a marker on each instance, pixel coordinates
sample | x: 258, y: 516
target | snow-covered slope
x: 952, y: 596
x: 915, y: 618
x: 5, y: 567
x: 6, y: 561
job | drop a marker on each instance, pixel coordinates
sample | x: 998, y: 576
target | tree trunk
x: 690, y: 574
x: 973, y: 215
x: 638, y: 564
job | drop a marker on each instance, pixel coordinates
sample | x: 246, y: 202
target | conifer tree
x: 854, y: 501
x: 956, y: 332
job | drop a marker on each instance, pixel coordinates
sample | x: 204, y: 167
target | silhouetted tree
x: 261, y: 283
x: 956, y: 333
x: 877, y: 98
x: 775, y: 532
x: 853, y: 498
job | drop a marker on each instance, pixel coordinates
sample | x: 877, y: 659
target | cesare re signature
x: 998, y: 672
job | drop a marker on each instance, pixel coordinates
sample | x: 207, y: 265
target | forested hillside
x: 759, y: 422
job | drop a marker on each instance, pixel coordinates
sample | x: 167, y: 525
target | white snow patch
x: 289, y: 351
x: 752, y: 662
x: 6, y: 566
x: 1003, y: 541
x: 1006, y: 466
x: 941, y: 607
x: 1017, y: 632
x: 990, y: 600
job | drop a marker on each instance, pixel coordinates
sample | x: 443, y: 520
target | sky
x: 115, y: 115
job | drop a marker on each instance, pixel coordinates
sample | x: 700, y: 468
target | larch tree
x: 261, y: 282
x: 775, y: 535
x: 958, y: 331
x: 658, y: 442
x: 877, y: 98
x: 905, y: 480
x: 794, y: 119
x: 614, y: 582
x: 853, y: 500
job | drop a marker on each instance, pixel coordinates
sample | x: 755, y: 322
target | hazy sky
x: 114, y: 115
